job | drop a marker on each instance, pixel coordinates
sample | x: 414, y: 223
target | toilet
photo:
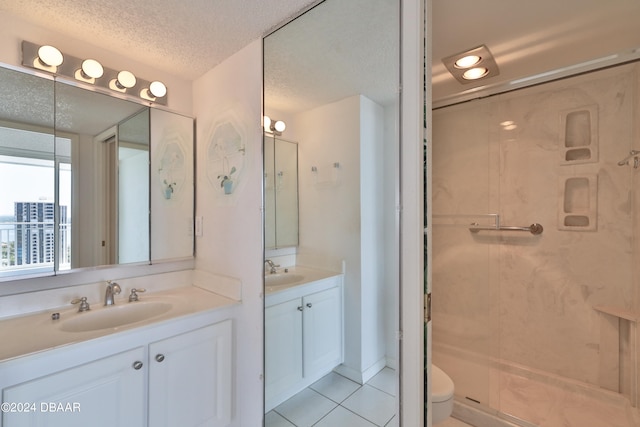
x: 441, y: 394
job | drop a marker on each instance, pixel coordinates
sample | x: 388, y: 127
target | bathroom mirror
x: 79, y: 189
x: 281, y: 192
x: 332, y: 75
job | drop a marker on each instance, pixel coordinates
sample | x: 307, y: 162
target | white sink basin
x: 282, y: 279
x: 113, y: 316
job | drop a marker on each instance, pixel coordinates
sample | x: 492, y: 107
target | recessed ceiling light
x: 475, y: 73
x: 467, y: 61
x: 472, y: 64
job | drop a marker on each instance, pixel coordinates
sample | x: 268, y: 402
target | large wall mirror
x: 332, y: 75
x: 87, y: 177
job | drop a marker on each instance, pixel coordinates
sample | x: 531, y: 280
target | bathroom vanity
x: 173, y: 367
x: 304, y: 332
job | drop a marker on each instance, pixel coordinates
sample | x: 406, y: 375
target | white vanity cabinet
x: 175, y: 376
x: 303, y: 338
x: 105, y: 392
x: 190, y: 378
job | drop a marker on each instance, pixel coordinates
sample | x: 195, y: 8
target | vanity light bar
x: 50, y: 59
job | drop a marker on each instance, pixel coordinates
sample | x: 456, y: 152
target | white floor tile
x: 372, y: 404
x: 335, y: 387
x: 305, y: 408
x: 384, y: 380
x: 273, y: 419
x: 343, y: 418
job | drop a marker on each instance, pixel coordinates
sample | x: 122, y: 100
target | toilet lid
x: 441, y: 385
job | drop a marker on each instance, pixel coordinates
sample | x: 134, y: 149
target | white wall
x: 231, y: 244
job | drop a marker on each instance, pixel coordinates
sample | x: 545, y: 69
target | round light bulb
x: 50, y: 56
x: 267, y: 123
x: 467, y: 61
x: 126, y: 80
x: 92, y: 68
x: 157, y: 89
x: 475, y: 73
x: 280, y: 126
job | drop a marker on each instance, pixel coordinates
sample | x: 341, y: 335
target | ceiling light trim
x: 485, y: 60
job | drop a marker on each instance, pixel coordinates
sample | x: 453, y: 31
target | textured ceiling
x: 185, y: 38
x: 189, y: 37
x: 335, y: 50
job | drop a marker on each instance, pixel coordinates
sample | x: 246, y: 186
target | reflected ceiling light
x: 278, y: 126
x: 49, y: 58
x: 475, y: 73
x: 273, y: 126
x: 472, y: 64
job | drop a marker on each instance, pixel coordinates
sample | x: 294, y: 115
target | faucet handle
x: 134, y: 294
x: 84, y: 305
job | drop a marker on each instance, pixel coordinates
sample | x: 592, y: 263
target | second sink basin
x: 113, y: 316
x: 280, y: 279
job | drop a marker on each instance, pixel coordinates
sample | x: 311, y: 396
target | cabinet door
x: 108, y: 392
x: 190, y: 378
x: 322, y: 324
x: 283, y: 348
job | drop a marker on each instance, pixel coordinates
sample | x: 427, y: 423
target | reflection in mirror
x: 281, y: 192
x: 133, y: 188
x: 27, y: 162
x: 81, y: 193
x: 332, y: 75
x: 87, y: 123
x: 172, y: 186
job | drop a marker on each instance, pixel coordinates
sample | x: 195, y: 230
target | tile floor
x: 337, y: 401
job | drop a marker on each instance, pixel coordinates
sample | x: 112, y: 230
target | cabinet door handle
x: 137, y: 365
x: 309, y: 304
x: 300, y: 308
x: 159, y: 357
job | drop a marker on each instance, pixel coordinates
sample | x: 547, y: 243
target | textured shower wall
x: 529, y: 299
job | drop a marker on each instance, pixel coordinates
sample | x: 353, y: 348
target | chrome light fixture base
x: 88, y: 71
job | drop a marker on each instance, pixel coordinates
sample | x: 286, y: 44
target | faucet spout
x: 272, y: 265
x: 112, y: 289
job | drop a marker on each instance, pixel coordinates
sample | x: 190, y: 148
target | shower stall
x: 536, y: 249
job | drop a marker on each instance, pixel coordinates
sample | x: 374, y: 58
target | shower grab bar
x: 534, y: 228
x: 474, y: 227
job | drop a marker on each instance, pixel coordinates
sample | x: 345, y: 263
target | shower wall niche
x: 579, y: 135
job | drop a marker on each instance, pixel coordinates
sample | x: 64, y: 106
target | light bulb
x: 475, y: 73
x: 92, y: 68
x: 267, y: 123
x: 157, y: 89
x: 126, y: 80
x: 279, y: 126
x: 50, y: 56
x: 467, y: 61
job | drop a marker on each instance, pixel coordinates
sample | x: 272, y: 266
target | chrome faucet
x: 112, y: 289
x: 272, y: 265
